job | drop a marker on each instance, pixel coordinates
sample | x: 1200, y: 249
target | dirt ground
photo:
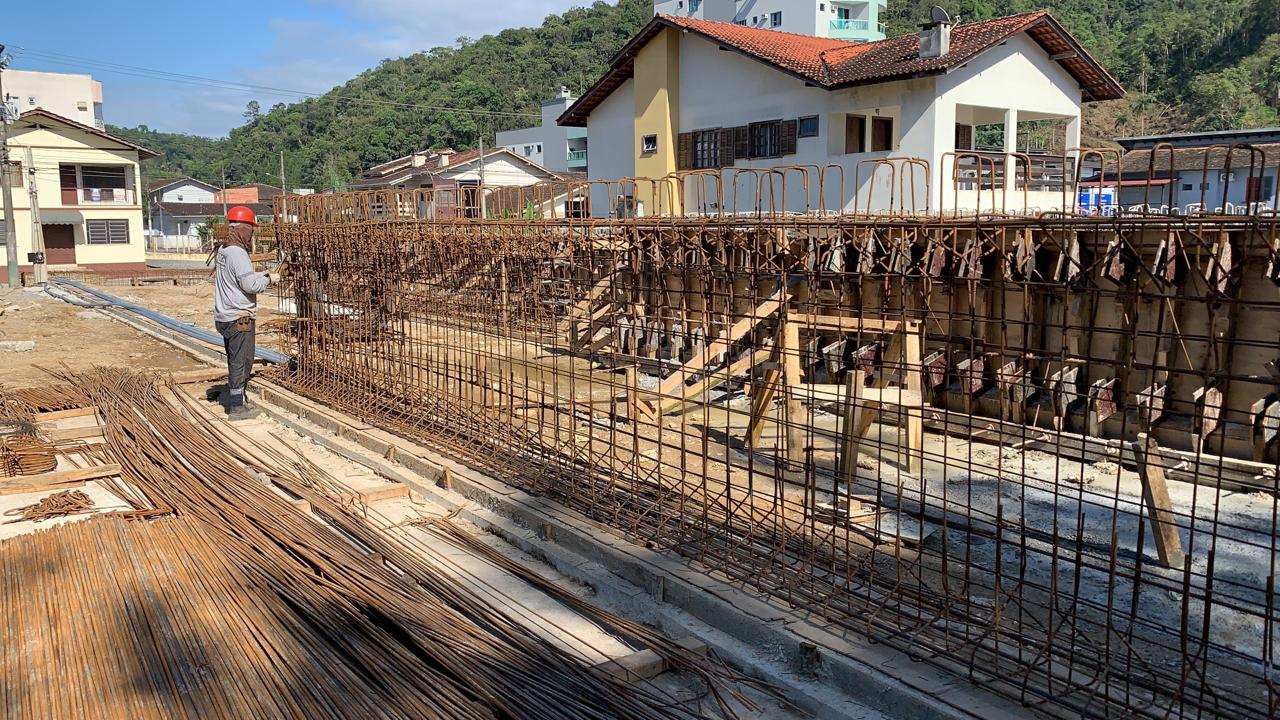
x: 80, y: 338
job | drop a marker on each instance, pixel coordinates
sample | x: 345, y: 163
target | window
x: 1186, y: 187
x: 15, y: 174
x: 103, y: 176
x: 855, y: 134
x: 539, y: 147
x: 843, y: 13
x: 31, y: 100
x: 766, y: 139
x: 809, y: 126
x: 108, y: 232
x: 706, y: 149
x: 822, y: 7
x: 82, y: 106
x: 881, y: 134
x: 649, y: 144
x: 775, y: 18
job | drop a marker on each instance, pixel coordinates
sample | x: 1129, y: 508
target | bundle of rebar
x: 26, y: 455
x: 368, y: 629
x: 60, y: 504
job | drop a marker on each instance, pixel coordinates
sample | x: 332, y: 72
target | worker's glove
x: 273, y: 277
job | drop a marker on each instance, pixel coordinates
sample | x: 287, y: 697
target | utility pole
x: 282, y: 187
x: 37, y: 228
x: 6, y: 184
x: 224, y: 191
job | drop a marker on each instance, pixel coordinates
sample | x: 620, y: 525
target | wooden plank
x: 760, y: 404
x: 188, y: 377
x: 914, y: 372
x: 647, y: 664
x: 385, y: 492
x: 1156, y: 493
x: 895, y: 396
x: 745, y: 361
x: 847, y: 324
x: 722, y: 344
x: 57, y: 480
x: 793, y: 376
x: 636, y: 667
x: 79, y: 433
x: 66, y: 414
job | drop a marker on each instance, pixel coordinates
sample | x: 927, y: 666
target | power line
x: 198, y: 80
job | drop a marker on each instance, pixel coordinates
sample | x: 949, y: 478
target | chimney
x: 419, y: 159
x: 564, y: 93
x: 935, y: 35
x: 444, y: 158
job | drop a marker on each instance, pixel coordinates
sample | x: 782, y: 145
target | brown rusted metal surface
x: 240, y: 605
x: 715, y: 377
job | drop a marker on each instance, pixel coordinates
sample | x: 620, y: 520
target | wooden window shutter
x: 964, y: 137
x: 684, y: 151
x: 881, y: 134
x: 790, y: 129
x: 727, y: 151
x: 855, y: 127
x: 742, y: 142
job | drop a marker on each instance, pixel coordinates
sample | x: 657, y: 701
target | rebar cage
x: 1035, y: 451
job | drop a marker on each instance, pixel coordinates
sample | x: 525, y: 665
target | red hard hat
x: 241, y: 214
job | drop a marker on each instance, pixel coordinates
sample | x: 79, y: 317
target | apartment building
x: 72, y: 96
x: 554, y: 147
x: 854, y: 20
x: 87, y: 193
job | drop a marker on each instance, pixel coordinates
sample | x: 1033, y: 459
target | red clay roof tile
x: 831, y: 64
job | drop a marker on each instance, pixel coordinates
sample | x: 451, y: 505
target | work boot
x: 237, y: 413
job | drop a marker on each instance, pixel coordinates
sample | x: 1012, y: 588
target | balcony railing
x: 852, y: 25
x: 849, y: 24
x: 577, y: 156
x: 98, y: 196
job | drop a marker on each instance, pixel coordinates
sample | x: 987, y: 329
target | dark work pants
x: 238, y: 340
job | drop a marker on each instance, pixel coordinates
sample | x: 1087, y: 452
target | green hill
x: 1188, y: 64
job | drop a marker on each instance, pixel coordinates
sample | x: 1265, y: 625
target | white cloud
x: 423, y: 24
x: 313, y: 56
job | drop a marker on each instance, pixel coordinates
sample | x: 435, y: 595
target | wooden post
x: 913, y: 374
x: 794, y: 378
x: 851, y: 428
x: 1156, y: 493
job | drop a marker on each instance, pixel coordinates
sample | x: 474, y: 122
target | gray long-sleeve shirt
x: 236, y: 285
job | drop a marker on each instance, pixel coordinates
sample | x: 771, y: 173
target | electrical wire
x: 152, y: 73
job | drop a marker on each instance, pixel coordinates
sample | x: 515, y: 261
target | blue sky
x: 304, y: 45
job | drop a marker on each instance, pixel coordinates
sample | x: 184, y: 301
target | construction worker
x: 235, y: 306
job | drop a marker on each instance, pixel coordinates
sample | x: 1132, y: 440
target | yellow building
x: 87, y: 190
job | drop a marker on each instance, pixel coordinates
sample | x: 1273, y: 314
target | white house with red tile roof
x: 446, y: 168
x: 878, y: 125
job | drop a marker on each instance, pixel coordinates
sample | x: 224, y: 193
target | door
x: 59, y: 244
x: 1253, y: 190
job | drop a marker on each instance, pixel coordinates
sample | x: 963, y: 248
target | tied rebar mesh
x: 1034, y: 450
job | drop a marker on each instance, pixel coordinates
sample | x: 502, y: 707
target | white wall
x: 725, y: 89
x: 498, y: 172
x: 187, y: 194
x: 611, y: 129
x: 1017, y: 74
x: 517, y: 140
x: 59, y: 93
x: 758, y: 92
